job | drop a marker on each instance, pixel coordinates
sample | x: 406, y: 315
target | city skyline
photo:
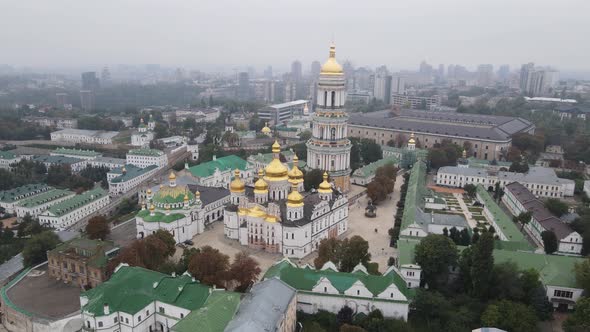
x: 260, y: 34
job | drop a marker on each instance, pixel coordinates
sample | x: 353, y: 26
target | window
x: 139, y: 318
x: 181, y: 315
x: 358, y: 292
x: 126, y: 320
x: 161, y: 310
x: 325, y: 289
x: 116, y: 319
x: 99, y: 324
x: 560, y: 293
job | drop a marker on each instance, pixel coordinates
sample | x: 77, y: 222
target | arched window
x: 333, y: 133
x: 325, y: 98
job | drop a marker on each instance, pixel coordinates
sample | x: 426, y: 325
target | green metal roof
x: 304, y: 279
x: 76, y: 152
x: 130, y: 289
x: 75, y: 202
x: 482, y: 163
x: 159, y: 216
x: 371, y: 168
x: 146, y: 152
x: 7, y: 155
x: 415, y: 193
x: 15, y: 194
x: 44, y: 198
x: 132, y: 171
x: 505, y: 223
x: 207, y: 169
x: 213, y: 316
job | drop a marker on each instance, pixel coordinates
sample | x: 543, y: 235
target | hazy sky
x: 201, y: 34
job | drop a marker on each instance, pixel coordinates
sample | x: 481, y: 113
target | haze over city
x: 221, y: 35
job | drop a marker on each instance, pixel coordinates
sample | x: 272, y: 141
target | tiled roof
x: 131, y: 289
x: 213, y: 316
x: 224, y: 163
x: 75, y: 202
x: 61, y: 160
x: 304, y: 279
x: 21, y: 192
x: 414, y: 194
x: 44, y: 198
x: 7, y: 155
x: 132, y: 172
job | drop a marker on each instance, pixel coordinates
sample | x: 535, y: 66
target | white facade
x: 146, y: 157
x: 84, y: 136
x: 193, y: 149
x: 120, y: 183
x: 36, y: 210
x: 541, y: 181
x: 63, y: 221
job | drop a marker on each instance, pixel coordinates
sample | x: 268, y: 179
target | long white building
x: 68, y: 212
x: 38, y: 204
x: 84, y: 136
x: 123, y: 179
x: 541, y: 181
x: 146, y: 157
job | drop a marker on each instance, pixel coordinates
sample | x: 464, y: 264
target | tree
x: 580, y: 319
x: 582, y: 271
x: 519, y: 166
x: 550, y: 242
x: 482, y: 265
x: 470, y: 190
x: 351, y: 328
x: 313, y: 178
x: 244, y: 270
x: 376, y: 191
x: 523, y: 218
x: 35, y: 250
x: 388, y: 170
x: 510, y: 316
x: 370, y: 151
x: 305, y: 135
x: 28, y: 226
x: 344, y: 316
x: 168, y: 240
x: 151, y: 252
x: 354, y: 250
x: 98, y: 228
x: 435, y: 254
x: 465, y: 239
x: 328, y: 251
x: 210, y: 267
x: 432, y: 308
x: 556, y: 206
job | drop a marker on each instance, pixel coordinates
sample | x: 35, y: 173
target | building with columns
x: 276, y: 216
x: 329, y: 147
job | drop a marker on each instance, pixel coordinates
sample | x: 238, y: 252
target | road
x: 115, y: 201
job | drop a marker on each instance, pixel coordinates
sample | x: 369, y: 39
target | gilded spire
x: 294, y: 199
x: 237, y: 185
x: 325, y: 187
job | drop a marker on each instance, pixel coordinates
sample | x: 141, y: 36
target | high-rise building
x: 316, y: 67
x: 537, y: 81
x: 296, y: 71
x: 61, y: 99
x: 382, y: 85
x: 87, y: 100
x: 503, y: 73
x: 398, y: 85
x: 526, y: 77
x: 105, y: 77
x: 90, y: 81
x: 329, y: 147
x: 268, y: 73
x: 485, y: 75
x: 243, y: 88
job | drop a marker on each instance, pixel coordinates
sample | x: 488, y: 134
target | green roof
x: 507, y: 226
x: 131, y: 289
x: 415, y: 193
x: 371, y: 168
x: 213, y: 316
x: 159, y: 216
x: 554, y: 270
x: 207, y: 169
x: 22, y: 192
x: 405, y: 249
x: 146, y: 152
x: 482, y: 163
x: 7, y: 155
x: 75, y: 202
x: 95, y: 250
x: 304, y: 279
x: 44, y: 198
x: 132, y: 171
x: 76, y: 152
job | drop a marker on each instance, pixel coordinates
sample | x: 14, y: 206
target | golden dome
x: 198, y: 194
x: 412, y: 140
x: 325, y: 186
x: 295, y: 174
x: 260, y: 187
x: 294, y: 199
x: 271, y: 219
x: 256, y: 212
x: 237, y: 185
x: 331, y: 66
x: 172, y: 176
x: 275, y: 170
x: 167, y: 207
x: 149, y: 191
x: 464, y: 154
x: 266, y: 129
x: 186, y: 197
x: 152, y: 207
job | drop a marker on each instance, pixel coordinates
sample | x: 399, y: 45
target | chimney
x: 173, y: 274
x: 214, y: 157
x: 106, y: 309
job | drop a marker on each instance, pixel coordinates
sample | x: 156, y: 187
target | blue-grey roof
x: 11, y: 267
x: 263, y: 308
x: 536, y: 174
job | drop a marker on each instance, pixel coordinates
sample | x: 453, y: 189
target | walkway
x: 468, y: 215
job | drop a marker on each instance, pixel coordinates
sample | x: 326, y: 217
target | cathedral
x: 276, y: 215
x: 144, y: 134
